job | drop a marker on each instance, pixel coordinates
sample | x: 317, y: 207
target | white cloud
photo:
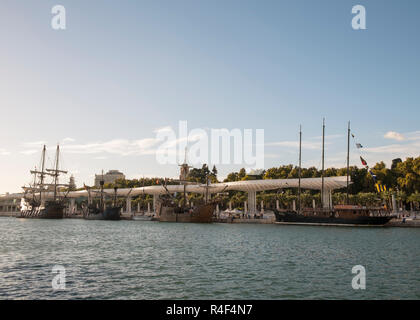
x: 394, y: 136
x: 409, y: 145
x: 406, y: 149
x: 122, y: 147
x: 163, y: 129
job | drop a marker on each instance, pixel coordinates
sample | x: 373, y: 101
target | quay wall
x: 8, y: 214
x: 402, y: 223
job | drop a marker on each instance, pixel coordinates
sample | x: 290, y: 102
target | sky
x: 122, y: 70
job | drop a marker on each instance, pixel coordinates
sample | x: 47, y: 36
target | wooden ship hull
x: 199, y: 214
x: 343, y: 216
x: 51, y: 210
x: 111, y: 213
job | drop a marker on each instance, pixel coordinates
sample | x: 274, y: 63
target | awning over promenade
x: 330, y: 183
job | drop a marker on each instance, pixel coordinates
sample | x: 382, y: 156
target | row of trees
x: 403, y: 176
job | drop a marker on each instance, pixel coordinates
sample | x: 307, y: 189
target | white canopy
x: 330, y: 183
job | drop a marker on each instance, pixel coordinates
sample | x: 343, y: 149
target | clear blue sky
x: 122, y: 69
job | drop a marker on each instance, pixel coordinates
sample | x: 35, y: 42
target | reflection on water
x: 152, y: 260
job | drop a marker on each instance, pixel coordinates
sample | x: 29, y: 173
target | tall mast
x: 57, y: 155
x: 300, y: 164
x: 55, y: 172
x: 34, y: 187
x: 348, y: 162
x: 101, y: 182
x: 322, y: 170
x: 115, y: 196
x: 183, y: 176
x: 41, y: 184
x: 185, y: 185
x: 185, y: 195
x: 207, y: 189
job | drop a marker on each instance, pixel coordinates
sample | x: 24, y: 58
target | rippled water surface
x: 152, y: 260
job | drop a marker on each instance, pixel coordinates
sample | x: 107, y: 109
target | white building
x: 110, y: 177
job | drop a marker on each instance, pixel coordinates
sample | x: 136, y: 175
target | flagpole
x: 322, y: 171
x: 300, y: 164
x: 348, y: 161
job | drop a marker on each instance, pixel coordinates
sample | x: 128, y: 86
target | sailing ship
x: 167, y: 209
x: 101, y: 211
x: 348, y: 215
x: 37, y: 201
x: 338, y: 215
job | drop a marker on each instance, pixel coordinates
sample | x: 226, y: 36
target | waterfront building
x: 110, y: 177
x: 72, y: 183
x: 9, y: 204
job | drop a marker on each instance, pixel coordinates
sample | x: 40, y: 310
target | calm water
x: 152, y: 260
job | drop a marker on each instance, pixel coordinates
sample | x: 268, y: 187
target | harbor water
x: 152, y: 260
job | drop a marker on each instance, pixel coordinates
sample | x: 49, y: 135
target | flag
x: 359, y: 146
x: 363, y: 161
x: 380, y: 187
x: 373, y: 175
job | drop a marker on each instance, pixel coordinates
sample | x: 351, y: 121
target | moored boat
x: 42, y: 200
x: 346, y: 215
x: 109, y: 213
x: 338, y: 215
x: 101, y: 211
x: 168, y: 211
x: 51, y: 210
